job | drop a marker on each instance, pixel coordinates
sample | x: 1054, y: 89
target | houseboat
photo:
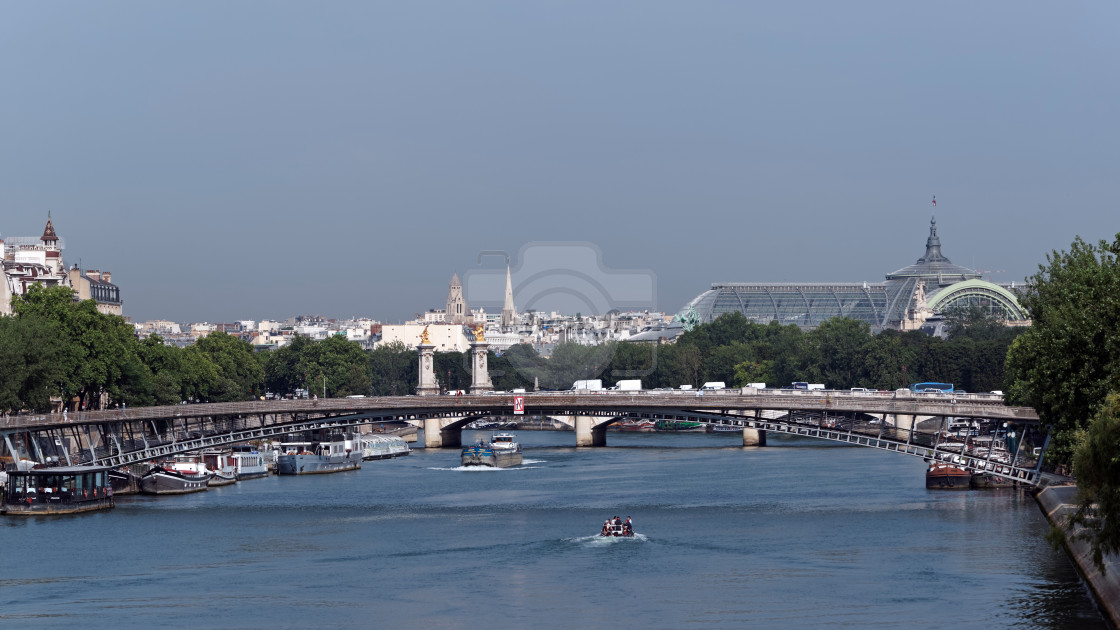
x: 58, y: 490
x: 220, y: 465
x: 310, y: 458
x: 248, y: 463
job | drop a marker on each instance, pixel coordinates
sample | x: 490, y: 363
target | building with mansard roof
x: 28, y: 261
x: 907, y: 299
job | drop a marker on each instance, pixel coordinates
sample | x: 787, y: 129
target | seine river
x: 800, y: 534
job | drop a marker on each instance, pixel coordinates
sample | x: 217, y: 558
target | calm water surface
x: 800, y: 534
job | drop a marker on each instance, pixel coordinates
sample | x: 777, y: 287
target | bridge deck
x: 974, y: 405
x: 119, y: 437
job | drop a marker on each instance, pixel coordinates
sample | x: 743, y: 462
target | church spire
x: 49, y: 238
x: 508, y: 312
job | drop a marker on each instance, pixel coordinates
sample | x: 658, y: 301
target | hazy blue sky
x: 263, y: 159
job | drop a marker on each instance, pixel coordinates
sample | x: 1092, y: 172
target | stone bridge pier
x: 441, y: 432
x: 591, y: 430
x: 754, y: 437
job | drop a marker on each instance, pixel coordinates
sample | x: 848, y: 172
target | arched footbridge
x: 902, y: 421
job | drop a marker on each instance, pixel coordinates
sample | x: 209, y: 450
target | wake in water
x: 596, y: 540
x: 486, y: 468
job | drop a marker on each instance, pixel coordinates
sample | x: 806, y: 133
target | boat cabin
x: 58, y: 490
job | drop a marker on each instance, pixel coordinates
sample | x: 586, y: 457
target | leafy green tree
x: 239, y: 373
x: 339, y: 365
x: 453, y: 370
x: 94, y: 348
x: 1096, y: 463
x: 1068, y: 361
x: 31, y: 366
x: 395, y: 369
x: 518, y: 366
x: 839, y: 346
x: 165, y: 363
x: 754, y: 372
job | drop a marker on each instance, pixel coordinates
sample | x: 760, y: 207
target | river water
x: 799, y: 534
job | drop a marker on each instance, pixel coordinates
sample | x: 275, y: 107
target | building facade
x: 28, y: 261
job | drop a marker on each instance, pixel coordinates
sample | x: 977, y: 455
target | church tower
x: 457, y: 312
x: 50, y: 245
x: 508, y: 312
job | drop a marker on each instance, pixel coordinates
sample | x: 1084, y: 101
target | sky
x: 252, y: 160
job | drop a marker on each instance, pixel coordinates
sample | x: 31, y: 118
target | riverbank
x: 1058, y: 501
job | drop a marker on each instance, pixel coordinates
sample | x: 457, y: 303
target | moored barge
x: 311, y: 458
x: 160, y: 480
x: 59, y: 490
x: 942, y: 476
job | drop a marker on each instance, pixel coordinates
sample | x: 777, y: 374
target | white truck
x: 757, y: 385
x: 590, y: 385
x: 714, y: 385
x: 628, y: 386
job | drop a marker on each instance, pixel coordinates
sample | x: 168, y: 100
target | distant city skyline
x: 264, y: 161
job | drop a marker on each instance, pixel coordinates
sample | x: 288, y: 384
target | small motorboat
x: 615, y: 527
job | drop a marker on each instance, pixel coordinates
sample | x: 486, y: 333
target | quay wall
x: 1056, y: 502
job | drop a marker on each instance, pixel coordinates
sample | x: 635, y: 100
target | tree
x: 1068, y: 361
x: 95, y: 349
x: 839, y: 346
x: 336, y: 364
x: 1096, y: 463
x: 239, y: 373
x: 31, y: 366
x: 395, y: 369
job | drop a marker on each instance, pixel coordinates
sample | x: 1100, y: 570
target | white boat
x: 381, y: 446
x: 248, y: 463
x: 308, y: 458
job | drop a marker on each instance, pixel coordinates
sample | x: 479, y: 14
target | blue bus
x: 944, y: 388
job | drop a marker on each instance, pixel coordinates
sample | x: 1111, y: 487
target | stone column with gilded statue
x: 480, y: 375
x: 427, y: 385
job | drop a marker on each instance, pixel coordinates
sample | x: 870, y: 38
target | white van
x: 714, y: 385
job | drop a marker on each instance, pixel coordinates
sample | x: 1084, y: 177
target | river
x: 799, y: 534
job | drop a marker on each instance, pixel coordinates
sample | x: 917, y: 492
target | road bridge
x: 882, y: 420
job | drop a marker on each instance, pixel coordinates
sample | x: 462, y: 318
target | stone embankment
x: 1058, y: 501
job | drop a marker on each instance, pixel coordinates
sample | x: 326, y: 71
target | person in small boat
x: 628, y: 527
x: 606, y: 527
